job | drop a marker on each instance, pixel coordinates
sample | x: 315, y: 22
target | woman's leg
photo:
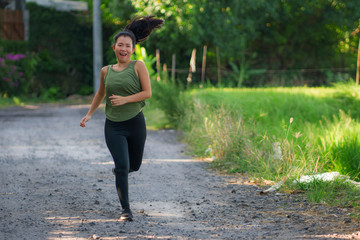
x: 136, y: 142
x: 126, y: 141
x: 118, y: 147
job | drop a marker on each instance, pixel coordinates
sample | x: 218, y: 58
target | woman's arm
x: 98, y: 98
x: 145, y: 93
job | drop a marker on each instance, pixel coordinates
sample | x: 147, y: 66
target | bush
x: 169, y: 97
x: 11, y: 75
x: 17, y: 73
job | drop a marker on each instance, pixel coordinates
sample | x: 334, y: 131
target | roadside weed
x: 338, y: 192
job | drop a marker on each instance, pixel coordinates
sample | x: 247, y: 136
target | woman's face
x: 123, y: 48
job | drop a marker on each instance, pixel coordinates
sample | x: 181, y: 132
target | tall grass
x: 340, y: 145
x: 244, y: 130
x: 170, y: 99
x: 338, y: 192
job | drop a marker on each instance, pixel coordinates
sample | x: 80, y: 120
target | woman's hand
x: 84, y: 120
x: 117, y: 100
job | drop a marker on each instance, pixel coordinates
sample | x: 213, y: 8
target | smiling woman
x: 125, y: 86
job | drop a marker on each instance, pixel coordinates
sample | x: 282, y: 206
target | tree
x: 277, y: 34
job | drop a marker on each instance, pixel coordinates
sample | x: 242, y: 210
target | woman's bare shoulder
x: 104, y: 69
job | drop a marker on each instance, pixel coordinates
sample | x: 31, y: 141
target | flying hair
x: 140, y: 28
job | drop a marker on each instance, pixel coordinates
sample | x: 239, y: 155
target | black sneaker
x: 126, y: 215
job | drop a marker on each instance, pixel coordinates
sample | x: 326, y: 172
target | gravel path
x: 56, y: 183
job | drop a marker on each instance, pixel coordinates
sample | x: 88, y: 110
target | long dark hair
x: 140, y: 28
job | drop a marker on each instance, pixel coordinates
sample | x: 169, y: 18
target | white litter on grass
x: 330, y: 176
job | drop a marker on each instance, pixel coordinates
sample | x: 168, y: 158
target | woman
x: 125, y: 86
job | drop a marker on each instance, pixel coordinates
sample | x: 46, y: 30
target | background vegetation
x: 260, y: 43
x: 272, y: 36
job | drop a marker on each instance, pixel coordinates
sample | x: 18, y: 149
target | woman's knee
x: 135, y: 165
x: 121, y: 169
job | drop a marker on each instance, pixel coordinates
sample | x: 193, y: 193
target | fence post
x: 358, y: 65
x: 173, y: 67
x: 192, y: 65
x: 158, y: 64
x: 203, y: 66
x: 218, y: 65
x: 165, y: 72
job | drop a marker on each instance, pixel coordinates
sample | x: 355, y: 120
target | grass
x: 6, y: 102
x: 272, y: 133
x: 155, y: 117
x: 338, y: 192
x: 314, y: 129
x: 26, y: 100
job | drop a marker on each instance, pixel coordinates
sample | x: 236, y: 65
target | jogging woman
x: 125, y: 86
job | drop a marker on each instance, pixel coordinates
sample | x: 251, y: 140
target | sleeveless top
x: 122, y: 83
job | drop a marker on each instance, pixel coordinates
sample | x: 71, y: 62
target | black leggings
x: 125, y: 141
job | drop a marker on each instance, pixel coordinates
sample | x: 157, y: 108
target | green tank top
x: 122, y: 83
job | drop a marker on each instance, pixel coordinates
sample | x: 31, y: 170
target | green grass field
x: 315, y: 129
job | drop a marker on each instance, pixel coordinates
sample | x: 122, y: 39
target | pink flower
x: 10, y: 56
x: 15, y: 57
x: 20, y: 56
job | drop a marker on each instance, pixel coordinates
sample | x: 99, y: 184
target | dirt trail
x: 56, y: 183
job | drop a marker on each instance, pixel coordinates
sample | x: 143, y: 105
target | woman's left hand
x: 117, y: 100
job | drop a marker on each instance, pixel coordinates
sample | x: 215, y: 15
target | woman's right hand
x: 84, y: 120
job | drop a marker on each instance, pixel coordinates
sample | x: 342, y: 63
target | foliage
x: 16, y: 71
x: 14, y: 46
x: 117, y: 12
x: 169, y: 97
x: 62, y: 42
x: 268, y: 33
x: 11, y: 75
x: 254, y: 37
x: 141, y: 54
x: 6, y: 101
x: 155, y: 117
